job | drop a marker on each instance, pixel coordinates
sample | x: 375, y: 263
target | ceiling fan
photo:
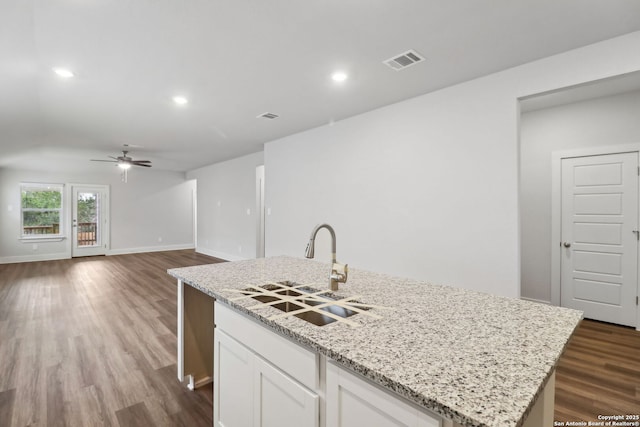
x: 125, y: 162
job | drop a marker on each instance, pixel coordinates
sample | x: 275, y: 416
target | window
x: 41, y: 206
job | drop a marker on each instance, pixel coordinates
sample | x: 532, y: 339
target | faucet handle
x: 339, y: 272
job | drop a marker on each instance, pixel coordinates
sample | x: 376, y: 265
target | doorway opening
x: 598, y: 118
x: 260, y: 220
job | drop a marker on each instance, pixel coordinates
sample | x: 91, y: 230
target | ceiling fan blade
x: 124, y: 161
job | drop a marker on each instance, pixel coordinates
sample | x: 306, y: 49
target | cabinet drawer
x: 296, y: 361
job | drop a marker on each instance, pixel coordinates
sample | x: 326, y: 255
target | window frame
x: 61, y: 211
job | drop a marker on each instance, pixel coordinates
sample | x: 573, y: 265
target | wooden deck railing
x: 87, y: 232
x: 41, y: 229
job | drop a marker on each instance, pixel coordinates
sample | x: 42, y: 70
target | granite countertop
x: 478, y: 359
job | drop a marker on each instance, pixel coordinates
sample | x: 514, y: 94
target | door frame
x: 106, y: 219
x: 556, y: 211
x: 260, y: 220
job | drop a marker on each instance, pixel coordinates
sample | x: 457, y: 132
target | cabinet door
x: 279, y: 401
x: 353, y: 402
x: 233, y: 381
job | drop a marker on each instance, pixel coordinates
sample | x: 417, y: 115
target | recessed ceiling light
x: 180, y: 100
x: 63, y: 72
x: 339, y: 76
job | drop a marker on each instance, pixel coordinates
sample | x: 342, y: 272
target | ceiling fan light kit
x: 125, y: 162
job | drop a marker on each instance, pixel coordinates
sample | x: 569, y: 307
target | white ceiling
x: 236, y: 59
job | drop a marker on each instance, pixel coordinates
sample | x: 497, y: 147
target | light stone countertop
x: 478, y: 359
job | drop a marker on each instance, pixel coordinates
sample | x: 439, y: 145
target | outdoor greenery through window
x: 87, y: 205
x: 87, y: 208
x: 41, y: 206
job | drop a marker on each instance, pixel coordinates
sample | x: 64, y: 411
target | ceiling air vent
x: 269, y: 116
x: 404, y: 60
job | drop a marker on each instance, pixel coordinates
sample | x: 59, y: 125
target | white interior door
x: 599, y: 247
x: 89, y: 223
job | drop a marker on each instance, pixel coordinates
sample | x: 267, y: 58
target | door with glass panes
x: 89, y: 222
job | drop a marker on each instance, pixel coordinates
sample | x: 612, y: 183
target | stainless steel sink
x: 294, y: 298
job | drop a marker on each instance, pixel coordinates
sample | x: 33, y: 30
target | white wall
x: 600, y: 122
x: 426, y: 188
x: 152, y: 205
x: 225, y: 191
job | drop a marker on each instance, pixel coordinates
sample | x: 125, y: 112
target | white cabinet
x: 279, y: 401
x: 249, y: 391
x: 233, y: 382
x: 262, y: 379
x: 353, y: 402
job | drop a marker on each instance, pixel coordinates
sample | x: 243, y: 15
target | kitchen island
x: 470, y: 358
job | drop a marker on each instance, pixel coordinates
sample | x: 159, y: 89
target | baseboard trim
x: 539, y: 301
x: 33, y: 258
x: 126, y: 251
x: 221, y: 255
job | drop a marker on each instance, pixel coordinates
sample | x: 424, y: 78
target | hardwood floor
x: 92, y: 342
x: 599, y: 373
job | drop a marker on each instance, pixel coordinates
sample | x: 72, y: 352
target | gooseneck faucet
x: 338, y: 271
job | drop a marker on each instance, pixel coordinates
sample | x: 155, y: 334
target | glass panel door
x: 88, y: 221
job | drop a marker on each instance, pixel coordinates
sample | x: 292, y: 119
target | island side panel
x: 195, y: 336
x: 542, y: 413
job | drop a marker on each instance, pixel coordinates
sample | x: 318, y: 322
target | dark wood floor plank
x: 599, y: 373
x: 9, y: 353
x: 92, y: 410
x: 135, y: 416
x: 91, y: 341
x: 55, y: 397
x: 7, y: 399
